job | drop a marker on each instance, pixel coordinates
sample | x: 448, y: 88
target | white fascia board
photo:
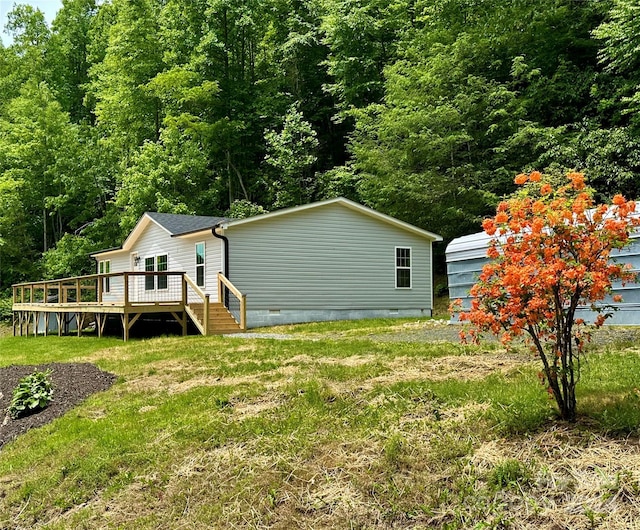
x: 138, y: 229
x: 107, y: 253
x: 132, y: 237
x: 199, y: 234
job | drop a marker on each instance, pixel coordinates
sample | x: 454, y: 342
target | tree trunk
x: 45, y: 245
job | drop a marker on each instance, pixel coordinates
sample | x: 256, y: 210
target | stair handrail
x: 242, y: 298
x: 204, y: 327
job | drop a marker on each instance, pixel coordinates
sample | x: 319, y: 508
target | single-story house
x: 329, y: 260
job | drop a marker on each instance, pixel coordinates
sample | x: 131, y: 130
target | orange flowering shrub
x: 550, y: 255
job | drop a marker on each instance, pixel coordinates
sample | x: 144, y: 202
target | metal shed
x: 466, y: 256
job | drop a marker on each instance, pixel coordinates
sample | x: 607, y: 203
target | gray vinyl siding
x: 180, y: 251
x: 329, y: 258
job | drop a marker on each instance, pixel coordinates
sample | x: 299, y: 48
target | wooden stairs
x: 221, y: 321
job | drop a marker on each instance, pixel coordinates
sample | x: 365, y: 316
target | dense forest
x: 422, y: 109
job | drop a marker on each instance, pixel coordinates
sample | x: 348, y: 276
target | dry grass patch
x: 576, y: 479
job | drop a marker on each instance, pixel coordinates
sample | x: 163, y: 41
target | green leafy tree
x: 67, y: 61
x: 17, y: 247
x: 291, y: 151
x: 242, y: 208
x: 362, y: 37
x: 620, y: 53
x: 163, y: 176
x: 70, y: 257
x: 37, y: 142
x: 133, y: 56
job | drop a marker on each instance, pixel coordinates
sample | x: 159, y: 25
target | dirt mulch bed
x: 72, y: 383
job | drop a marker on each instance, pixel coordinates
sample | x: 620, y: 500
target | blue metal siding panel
x: 462, y: 275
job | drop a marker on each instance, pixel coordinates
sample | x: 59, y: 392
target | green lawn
x: 326, y: 430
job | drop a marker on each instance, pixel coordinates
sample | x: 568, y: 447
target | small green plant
x: 508, y: 474
x: 34, y: 392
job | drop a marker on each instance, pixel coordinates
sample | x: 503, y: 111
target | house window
x: 104, y: 267
x: 156, y: 264
x: 149, y: 266
x: 403, y: 267
x: 162, y: 265
x: 200, y: 264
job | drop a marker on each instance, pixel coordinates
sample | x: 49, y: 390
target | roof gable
x: 179, y: 224
x: 175, y: 225
x: 342, y: 202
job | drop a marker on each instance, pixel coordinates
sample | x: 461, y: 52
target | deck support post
x: 127, y: 323
x: 100, y: 321
x: 181, y: 317
x: 80, y: 318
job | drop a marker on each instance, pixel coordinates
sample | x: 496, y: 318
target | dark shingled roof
x: 178, y: 224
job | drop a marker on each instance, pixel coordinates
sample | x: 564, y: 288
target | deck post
x: 205, y: 315
x: 126, y: 289
x: 243, y: 312
x: 185, y: 296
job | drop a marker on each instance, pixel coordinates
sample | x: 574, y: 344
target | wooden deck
x: 77, y: 302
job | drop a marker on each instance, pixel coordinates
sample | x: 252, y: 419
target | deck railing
x: 130, y: 292
x: 233, y: 299
x: 197, y: 305
x: 117, y: 288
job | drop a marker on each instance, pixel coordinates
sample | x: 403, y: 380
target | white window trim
x: 166, y: 270
x: 102, y: 269
x: 155, y: 269
x: 396, y: 268
x: 203, y: 264
x: 144, y: 268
